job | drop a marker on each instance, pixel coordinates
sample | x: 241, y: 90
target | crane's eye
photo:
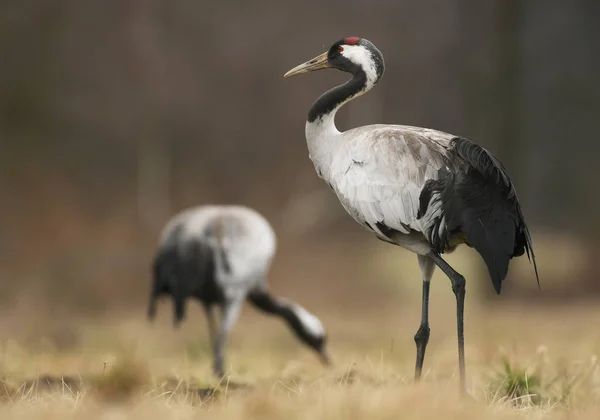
x: 340, y: 48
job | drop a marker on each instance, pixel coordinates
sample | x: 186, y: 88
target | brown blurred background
x: 115, y: 114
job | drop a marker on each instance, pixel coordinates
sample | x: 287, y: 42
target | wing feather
x: 378, y: 177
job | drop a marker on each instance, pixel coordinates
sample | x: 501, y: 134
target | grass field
x: 524, y: 361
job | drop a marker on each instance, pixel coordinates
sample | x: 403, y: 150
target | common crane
x: 422, y: 189
x: 221, y: 255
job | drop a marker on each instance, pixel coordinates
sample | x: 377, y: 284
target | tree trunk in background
x: 506, y: 110
x: 562, y: 98
x: 495, y: 124
x: 154, y: 167
x: 153, y: 181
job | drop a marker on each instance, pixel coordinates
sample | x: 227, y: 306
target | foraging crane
x: 422, y: 189
x: 221, y: 255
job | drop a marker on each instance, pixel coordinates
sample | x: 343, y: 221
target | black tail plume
x: 183, y: 268
x: 162, y: 278
x: 488, y: 222
x: 479, y: 201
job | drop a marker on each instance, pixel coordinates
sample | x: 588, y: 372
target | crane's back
x: 243, y: 236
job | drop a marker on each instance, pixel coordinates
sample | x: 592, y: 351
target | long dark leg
x: 215, y: 346
x: 152, y: 306
x: 212, y: 325
x: 422, y: 336
x: 229, y: 314
x: 179, y: 301
x: 458, y: 287
x: 158, y: 286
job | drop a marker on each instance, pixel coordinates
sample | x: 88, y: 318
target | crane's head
x: 353, y: 55
x: 307, y: 327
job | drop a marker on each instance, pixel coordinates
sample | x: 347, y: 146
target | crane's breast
x: 380, y: 181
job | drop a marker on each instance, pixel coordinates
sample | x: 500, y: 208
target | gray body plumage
x: 241, y: 240
x: 378, y: 172
x: 221, y: 255
x: 425, y: 190
x: 384, y: 176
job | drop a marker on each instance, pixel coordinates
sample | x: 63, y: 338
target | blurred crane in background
x: 220, y: 255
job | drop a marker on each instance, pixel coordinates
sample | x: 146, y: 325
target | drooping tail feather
x: 480, y: 201
x: 488, y: 223
x: 182, y: 268
x: 164, y: 276
x: 527, y: 245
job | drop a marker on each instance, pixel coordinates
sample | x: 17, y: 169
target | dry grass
x: 523, y: 361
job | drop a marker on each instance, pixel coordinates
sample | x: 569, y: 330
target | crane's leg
x: 229, y: 315
x: 422, y: 336
x: 458, y: 287
x: 212, y: 326
x: 179, y: 302
x: 152, y: 305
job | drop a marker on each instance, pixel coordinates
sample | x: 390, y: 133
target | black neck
x: 331, y: 99
x: 271, y: 305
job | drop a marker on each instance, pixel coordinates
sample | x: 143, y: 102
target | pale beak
x: 325, y: 359
x: 317, y: 63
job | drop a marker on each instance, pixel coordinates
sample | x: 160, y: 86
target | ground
x: 521, y: 363
x: 524, y: 360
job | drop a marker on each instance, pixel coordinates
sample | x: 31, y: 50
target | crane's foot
x: 465, y: 396
x: 218, y: 369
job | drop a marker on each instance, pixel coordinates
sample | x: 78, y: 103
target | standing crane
x: 220, y: 255
x: 422, y: 189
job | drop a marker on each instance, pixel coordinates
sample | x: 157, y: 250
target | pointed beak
x: 317, y: 63
x: 325, y: 359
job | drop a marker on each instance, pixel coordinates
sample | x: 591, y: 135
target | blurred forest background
x: 116, y: 114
